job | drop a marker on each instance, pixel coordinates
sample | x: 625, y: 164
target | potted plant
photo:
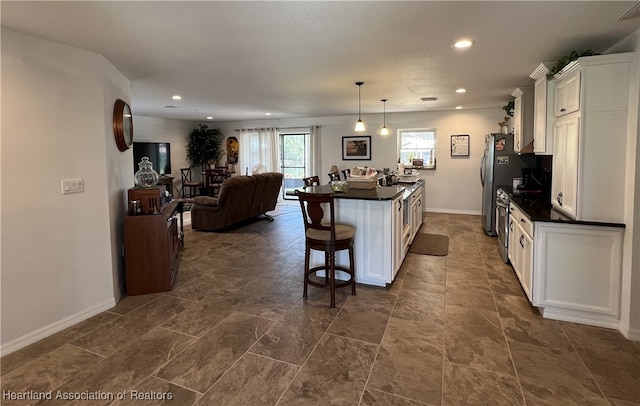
x: 504, y: 125
x: 204, y: 145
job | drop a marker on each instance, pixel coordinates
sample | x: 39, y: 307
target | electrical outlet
x: 72, y: 186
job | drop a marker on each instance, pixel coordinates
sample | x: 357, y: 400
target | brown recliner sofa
x: 240, y: 198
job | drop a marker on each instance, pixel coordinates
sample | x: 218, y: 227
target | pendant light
x: 385, y: 130
x: 359, y: 123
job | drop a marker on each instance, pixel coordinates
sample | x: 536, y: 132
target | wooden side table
x: 168, y: 182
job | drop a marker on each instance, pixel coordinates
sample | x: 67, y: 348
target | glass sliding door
x: 294, y: 156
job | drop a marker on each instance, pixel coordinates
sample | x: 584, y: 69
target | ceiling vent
x: 170, y: 107
x: 631, y: 12
x: 432, y: 98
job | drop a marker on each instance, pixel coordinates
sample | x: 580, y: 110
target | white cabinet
x: 590, y: 137
x: 521, y: 248
x: 571, y: 271
x: 416, y: 212
x: 567, y: 94
x: 543, y: 113
x: 564, y: 182
x: 398, y: 246
x: 522, y: 118
x: 577, y: 273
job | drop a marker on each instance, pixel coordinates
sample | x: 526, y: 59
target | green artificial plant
x: 566, y: 60
x: 204, y: 145
x: 508, y: 109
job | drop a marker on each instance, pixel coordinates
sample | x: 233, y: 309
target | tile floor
x: 453, y: 330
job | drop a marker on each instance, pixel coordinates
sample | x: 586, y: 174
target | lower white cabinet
x: 396, y: 227
x: 521, y: 248
x: 571, y: 271
x: 577, y: 273
x: 416, y: 212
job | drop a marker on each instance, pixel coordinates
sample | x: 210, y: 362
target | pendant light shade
x: 385, y: 130
x: 359, y: 123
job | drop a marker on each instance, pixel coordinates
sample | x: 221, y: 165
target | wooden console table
x: 152, y: 243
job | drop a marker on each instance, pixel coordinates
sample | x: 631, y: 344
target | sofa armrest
x: 206, y: 201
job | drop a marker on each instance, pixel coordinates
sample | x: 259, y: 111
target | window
x: 418, y: 143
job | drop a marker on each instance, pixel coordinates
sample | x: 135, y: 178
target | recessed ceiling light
x: 267, y: 114
x: 463, y: 43
x: 458, y: 107
x: 461, y: 90
x: 176, y: 97
x: 209, y: 118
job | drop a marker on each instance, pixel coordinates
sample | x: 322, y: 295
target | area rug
x: 430, y: 244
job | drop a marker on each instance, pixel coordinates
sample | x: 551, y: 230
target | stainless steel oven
x: 502, y: 223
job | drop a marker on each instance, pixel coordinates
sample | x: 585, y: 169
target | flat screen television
x: 159, y: 154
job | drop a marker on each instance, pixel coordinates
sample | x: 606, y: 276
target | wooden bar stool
x: 328, y: 237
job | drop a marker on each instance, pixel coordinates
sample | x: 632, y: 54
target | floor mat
x: 430, y: 244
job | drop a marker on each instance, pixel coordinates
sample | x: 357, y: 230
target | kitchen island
x: 385, y: 218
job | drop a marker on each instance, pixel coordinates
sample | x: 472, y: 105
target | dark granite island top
x: 377, y: 193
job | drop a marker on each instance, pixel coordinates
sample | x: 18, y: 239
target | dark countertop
x: 538, y: 208
x: 378, y: 193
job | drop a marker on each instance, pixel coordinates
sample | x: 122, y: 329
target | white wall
x: 453, y: 187
x: 61, y: 259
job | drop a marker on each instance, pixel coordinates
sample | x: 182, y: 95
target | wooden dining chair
x: 190, y: 188
x: 334, y: 176
x: 311, y: 181
x: 214, y: 178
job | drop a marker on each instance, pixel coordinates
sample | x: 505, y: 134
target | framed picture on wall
x: 356, y: 148
x: 460, y: 145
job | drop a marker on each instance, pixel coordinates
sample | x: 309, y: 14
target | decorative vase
x: 146, y: 176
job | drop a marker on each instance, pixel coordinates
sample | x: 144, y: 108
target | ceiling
x: 239, y: 60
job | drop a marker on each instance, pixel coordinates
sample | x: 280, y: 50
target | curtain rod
x: 277, y: 128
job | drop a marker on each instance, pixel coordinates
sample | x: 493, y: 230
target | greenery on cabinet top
x: 567, y: 59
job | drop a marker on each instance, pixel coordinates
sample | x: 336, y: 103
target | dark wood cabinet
x: 152, y: 243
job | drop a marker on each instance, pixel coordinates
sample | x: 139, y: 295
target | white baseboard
x: 449, y: 211
x: 46, y: 331
x: 629, y: 334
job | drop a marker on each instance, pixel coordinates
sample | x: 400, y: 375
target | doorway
x: 294, y: 158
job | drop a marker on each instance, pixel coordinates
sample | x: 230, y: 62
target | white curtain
x: 259, y: 149
x: 313, y: 159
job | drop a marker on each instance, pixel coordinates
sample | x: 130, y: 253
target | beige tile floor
x: 453, y: 330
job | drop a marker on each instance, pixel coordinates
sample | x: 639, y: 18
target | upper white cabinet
x: 543, y: 93
x: 567, y: 94
x: 564, y: 182
x: 522, y: 118
x: 590, y: 138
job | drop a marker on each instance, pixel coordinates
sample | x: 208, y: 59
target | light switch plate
x: 72, y: 186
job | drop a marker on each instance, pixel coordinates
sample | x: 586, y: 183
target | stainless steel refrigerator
x: 498, y: 168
